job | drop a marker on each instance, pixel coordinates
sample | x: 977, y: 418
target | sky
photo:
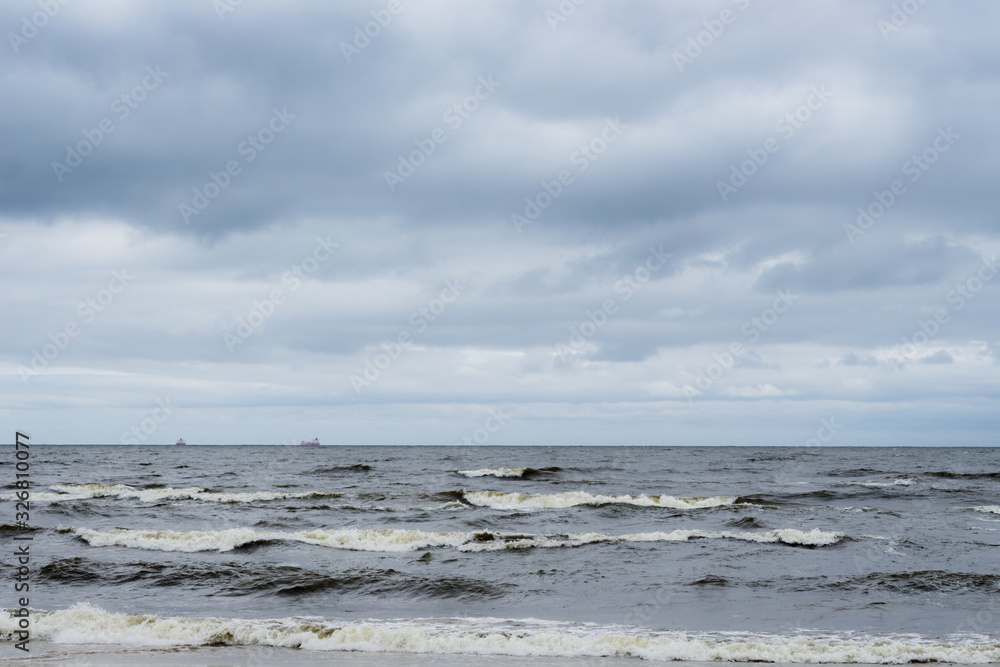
x: 500, y: 222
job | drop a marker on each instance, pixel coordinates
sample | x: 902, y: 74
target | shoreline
x: 115, y: 655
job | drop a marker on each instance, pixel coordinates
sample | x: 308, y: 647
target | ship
x: 180, y: 442
x: 310, y: 443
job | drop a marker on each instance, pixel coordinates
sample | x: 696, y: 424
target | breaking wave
x: 399, y: 540
x: 86, y: 624
x: 85, y: 491
x: 520, y: 501
x: 989, y: 509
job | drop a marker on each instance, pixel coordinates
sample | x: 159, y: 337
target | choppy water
x: 793, y: 555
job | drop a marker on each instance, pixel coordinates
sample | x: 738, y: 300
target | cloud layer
x: 691, y: 223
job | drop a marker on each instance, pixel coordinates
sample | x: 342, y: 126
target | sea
x: 266, y: 555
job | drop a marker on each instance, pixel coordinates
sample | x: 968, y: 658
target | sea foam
x: 494, y: 472
x: 520, y: 501
x: 399, y: 540
x: 86, y: 624
x: 66, y: 492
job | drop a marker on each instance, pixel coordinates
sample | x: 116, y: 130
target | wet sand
x: 87, y: 655
x: 49, y: 653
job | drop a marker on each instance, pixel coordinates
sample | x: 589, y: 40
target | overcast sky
x: 683, y: 222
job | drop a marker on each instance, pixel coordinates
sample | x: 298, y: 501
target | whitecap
x: 66, y: 492
x: 520, y: 501
x: 494, y: 472
x: 388, y: 540
x: 86, y: 624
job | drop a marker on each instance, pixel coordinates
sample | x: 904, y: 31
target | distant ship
x: 310, y: 443
x: 180, y: 442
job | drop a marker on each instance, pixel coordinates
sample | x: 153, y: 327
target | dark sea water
x: 787, y: 555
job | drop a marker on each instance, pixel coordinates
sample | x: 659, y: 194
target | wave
x: 398, y: 540
x: 746, y: 522
x: 857, y: 472
x: 989, y: 509
x: 522, y: 473
x: 925, y: 581
x: 494, y: 472
x: 12, y: 530
x: 339, y: 470
x: 899, y: 481
x: 86, y: 624
x: 86, y: 491
x: 243, y: 578
x: 520, y: 501
x: 963, y: 475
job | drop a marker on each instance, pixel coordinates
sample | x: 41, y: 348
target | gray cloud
x: 939, y: 357
x: 764, y: 164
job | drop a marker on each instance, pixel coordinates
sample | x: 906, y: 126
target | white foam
x: 786, y: 536
x: 85, y: 624
x: 397, y: 540
x: 990, y: 509
x: 815, y: 537
x: 900, y: 481
x: 85, y: 491
x: 386, y: 540
x: 519, y: 501
x: 494, y: 472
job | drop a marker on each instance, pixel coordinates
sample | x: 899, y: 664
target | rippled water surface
x: 756, y: 549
